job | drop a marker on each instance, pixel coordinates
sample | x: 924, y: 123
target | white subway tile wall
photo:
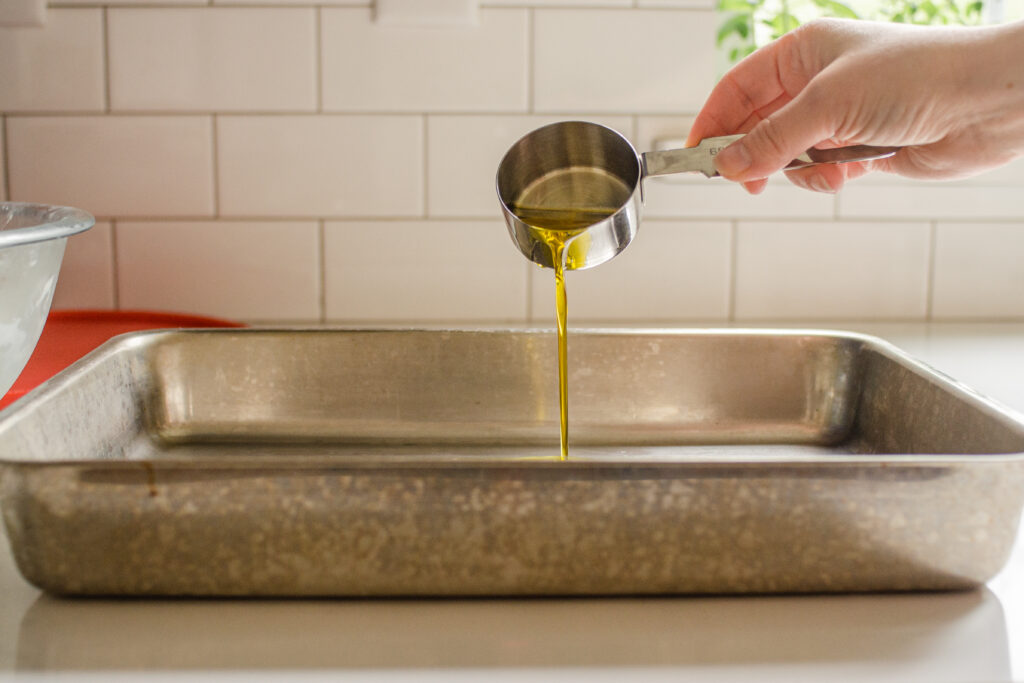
x: 1011, y: 174
x: 293, y: 161
x: 696, y: 4
x: 810, y: 271
x: 298, y: 3
x: 113, y: 165
x: 374, y: 67
x: 87, y: 273
x: 979, y: 271
x: 623, y: 61
x: 716, y: 198
x: 320, y: 165
x: 435, y: 271
x: 55, y: 68
x: 673, y: 271
x: 125, y: 3
x: 557, y: 3
x: 180, y: 59
x: 254, y: 270
x: 937, y: 201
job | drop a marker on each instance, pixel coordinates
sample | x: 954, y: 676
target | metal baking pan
x: 412, y: 462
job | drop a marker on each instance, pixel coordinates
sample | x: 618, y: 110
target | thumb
x: 775, y: 141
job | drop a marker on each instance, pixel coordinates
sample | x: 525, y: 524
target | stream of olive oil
x: 559, y: 207
x: 563, y: 231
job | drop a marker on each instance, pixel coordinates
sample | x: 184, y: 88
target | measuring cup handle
x: 701, y: 159
x: 842, y: 155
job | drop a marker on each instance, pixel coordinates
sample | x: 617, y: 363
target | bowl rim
x: 55, y: 222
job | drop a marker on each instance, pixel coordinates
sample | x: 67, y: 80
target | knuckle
x: 770, y: 140
x: 817, y: 26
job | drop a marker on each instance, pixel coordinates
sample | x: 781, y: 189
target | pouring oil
x: 559, y: 207
x: 564, y: 233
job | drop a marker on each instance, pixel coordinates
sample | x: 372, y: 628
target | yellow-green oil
x: 559, y: 207
x: 564, y: 232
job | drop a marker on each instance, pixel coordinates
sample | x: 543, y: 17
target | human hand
x: 953, y: 98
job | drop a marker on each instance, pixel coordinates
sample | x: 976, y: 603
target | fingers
x: 755, y: 186
x: 776, y: 97
x: 815, y: 180
x: 768, y: 79
x: 787, y: 97
x: 943, y: 160
x: 828, y: 178
x: 740, y: 99
x: 776, y: 141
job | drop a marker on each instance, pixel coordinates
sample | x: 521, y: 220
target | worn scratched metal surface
x: 262, y: 462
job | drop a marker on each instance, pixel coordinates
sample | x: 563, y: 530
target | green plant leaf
x: 738, y: 24
x: 780, y: 16
x: 744, y: 6
x: 781, y: 23
x: 833, y: 8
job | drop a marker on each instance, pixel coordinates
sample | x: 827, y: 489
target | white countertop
x: 972, y: 636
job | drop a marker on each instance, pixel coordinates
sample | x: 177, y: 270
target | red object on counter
x: 69, y: 335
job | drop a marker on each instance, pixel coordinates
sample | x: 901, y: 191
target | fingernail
x: 821, y: 185
x: 754, y: 186
x: 733, y: 160
x: 800, y: 182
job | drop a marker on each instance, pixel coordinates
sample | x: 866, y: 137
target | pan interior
x: 449, y: 395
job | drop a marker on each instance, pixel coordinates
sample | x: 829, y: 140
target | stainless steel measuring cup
x: 585, y: 181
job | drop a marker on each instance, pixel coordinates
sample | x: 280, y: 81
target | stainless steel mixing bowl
x: 32, y: 239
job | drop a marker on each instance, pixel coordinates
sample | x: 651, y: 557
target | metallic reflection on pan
x: 410, y: 462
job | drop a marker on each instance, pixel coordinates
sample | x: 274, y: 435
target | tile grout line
x: 929, y: 312
x: 318, y: 42
x: 215, y: 164
x: 312, y: 111
x: 531, y: 59
x: 107, y: 105
x: 5, y: 162
x: 425, y: 129
x: 257, y: 4
x: 364, y: 218
x: 582, y: 112
x: 321, y: 241
x: 202, y: 4
x: 733, y: 248
x: 447, y: 323
x: 115, y: 267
